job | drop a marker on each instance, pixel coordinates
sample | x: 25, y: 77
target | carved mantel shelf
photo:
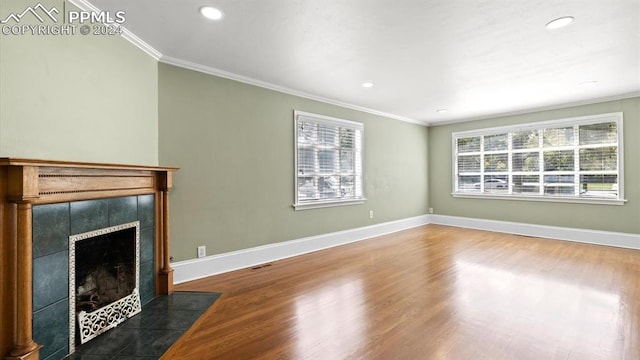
x: 28, y: 182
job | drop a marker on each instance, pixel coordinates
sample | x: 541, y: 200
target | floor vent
x: 262, y: 266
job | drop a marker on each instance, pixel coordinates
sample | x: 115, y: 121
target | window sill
x: 582, y: 200
x: 324, y: 204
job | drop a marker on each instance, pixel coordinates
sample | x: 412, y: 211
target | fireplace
x: 104, y: 280
x: 43, y: 204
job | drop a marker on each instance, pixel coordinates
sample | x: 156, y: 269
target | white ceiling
x: 476, y: 58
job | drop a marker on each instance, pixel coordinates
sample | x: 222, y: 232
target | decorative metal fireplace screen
x: 104, y: 280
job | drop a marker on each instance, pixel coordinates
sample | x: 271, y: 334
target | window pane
x: 467, y: 183
x: 327, y: 160
x: 525, y: 139
x: 559, y: 190
x: 347, y: 161
x: 558, y: 160
x: 306, y: 161
x: 347, y: 187
x: 326, y: 134
x: 496, y: 163
x: 347, y: 138
x: 358, y: 186
x: 605, y: 133
x: 496, y: 142
x: 306, y: 132
x: 471, y: 144
x: 559, y: 185
x: 599, y: 185
x: 329, y: 187
x: 306, y: 188
x: 558, y: 137
x: 558, y: 179
x: 495, y: 184
x: 468, y: 163
x: 595, y: 159
x: 529, y: 161
x: 526, y: 184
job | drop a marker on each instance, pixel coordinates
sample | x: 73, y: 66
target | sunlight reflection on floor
x: 522, y: 307
x: 321, y: 316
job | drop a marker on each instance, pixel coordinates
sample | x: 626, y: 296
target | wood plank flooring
x: 432, y: 292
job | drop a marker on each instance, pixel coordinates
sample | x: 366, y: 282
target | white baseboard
x: 623, y: 240
x: 216, y: 264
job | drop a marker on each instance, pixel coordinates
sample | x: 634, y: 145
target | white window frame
x: 303, y: 204
x: 568, y: 122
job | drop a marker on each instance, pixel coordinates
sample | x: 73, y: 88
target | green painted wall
x: 624, y: 218
x: 76, y: 97
x: 234, y: 143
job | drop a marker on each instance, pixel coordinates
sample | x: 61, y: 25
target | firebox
x: 104, y: 280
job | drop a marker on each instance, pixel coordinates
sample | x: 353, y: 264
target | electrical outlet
x: 202, y: 251
x: 370, y: 214
x: 430, y: 210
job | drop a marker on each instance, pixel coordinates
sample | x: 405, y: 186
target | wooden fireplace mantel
x: 28, y: 182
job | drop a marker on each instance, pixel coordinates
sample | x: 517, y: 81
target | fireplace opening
x: 104, y: 268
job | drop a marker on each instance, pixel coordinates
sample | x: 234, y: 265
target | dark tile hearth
x: 149, y: 334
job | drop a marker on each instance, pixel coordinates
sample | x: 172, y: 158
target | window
x: 578, y: 159
x: 328, y: 161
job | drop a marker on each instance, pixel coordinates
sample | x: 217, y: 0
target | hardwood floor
x: 432, y: 292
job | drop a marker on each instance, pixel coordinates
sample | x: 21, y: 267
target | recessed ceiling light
x: 559, y: 22
x: 211, y: 13
x: 367, y: 84
x: 588, y: 83
x: 441, y: 111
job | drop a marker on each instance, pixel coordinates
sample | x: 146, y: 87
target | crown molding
x: 126, y: 33
x: 141, y: 44
x: 132, y: 38
x: 263, y: 84
x: 565, y: 105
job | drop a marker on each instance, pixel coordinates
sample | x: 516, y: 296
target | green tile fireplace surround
x: 52, y: 226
